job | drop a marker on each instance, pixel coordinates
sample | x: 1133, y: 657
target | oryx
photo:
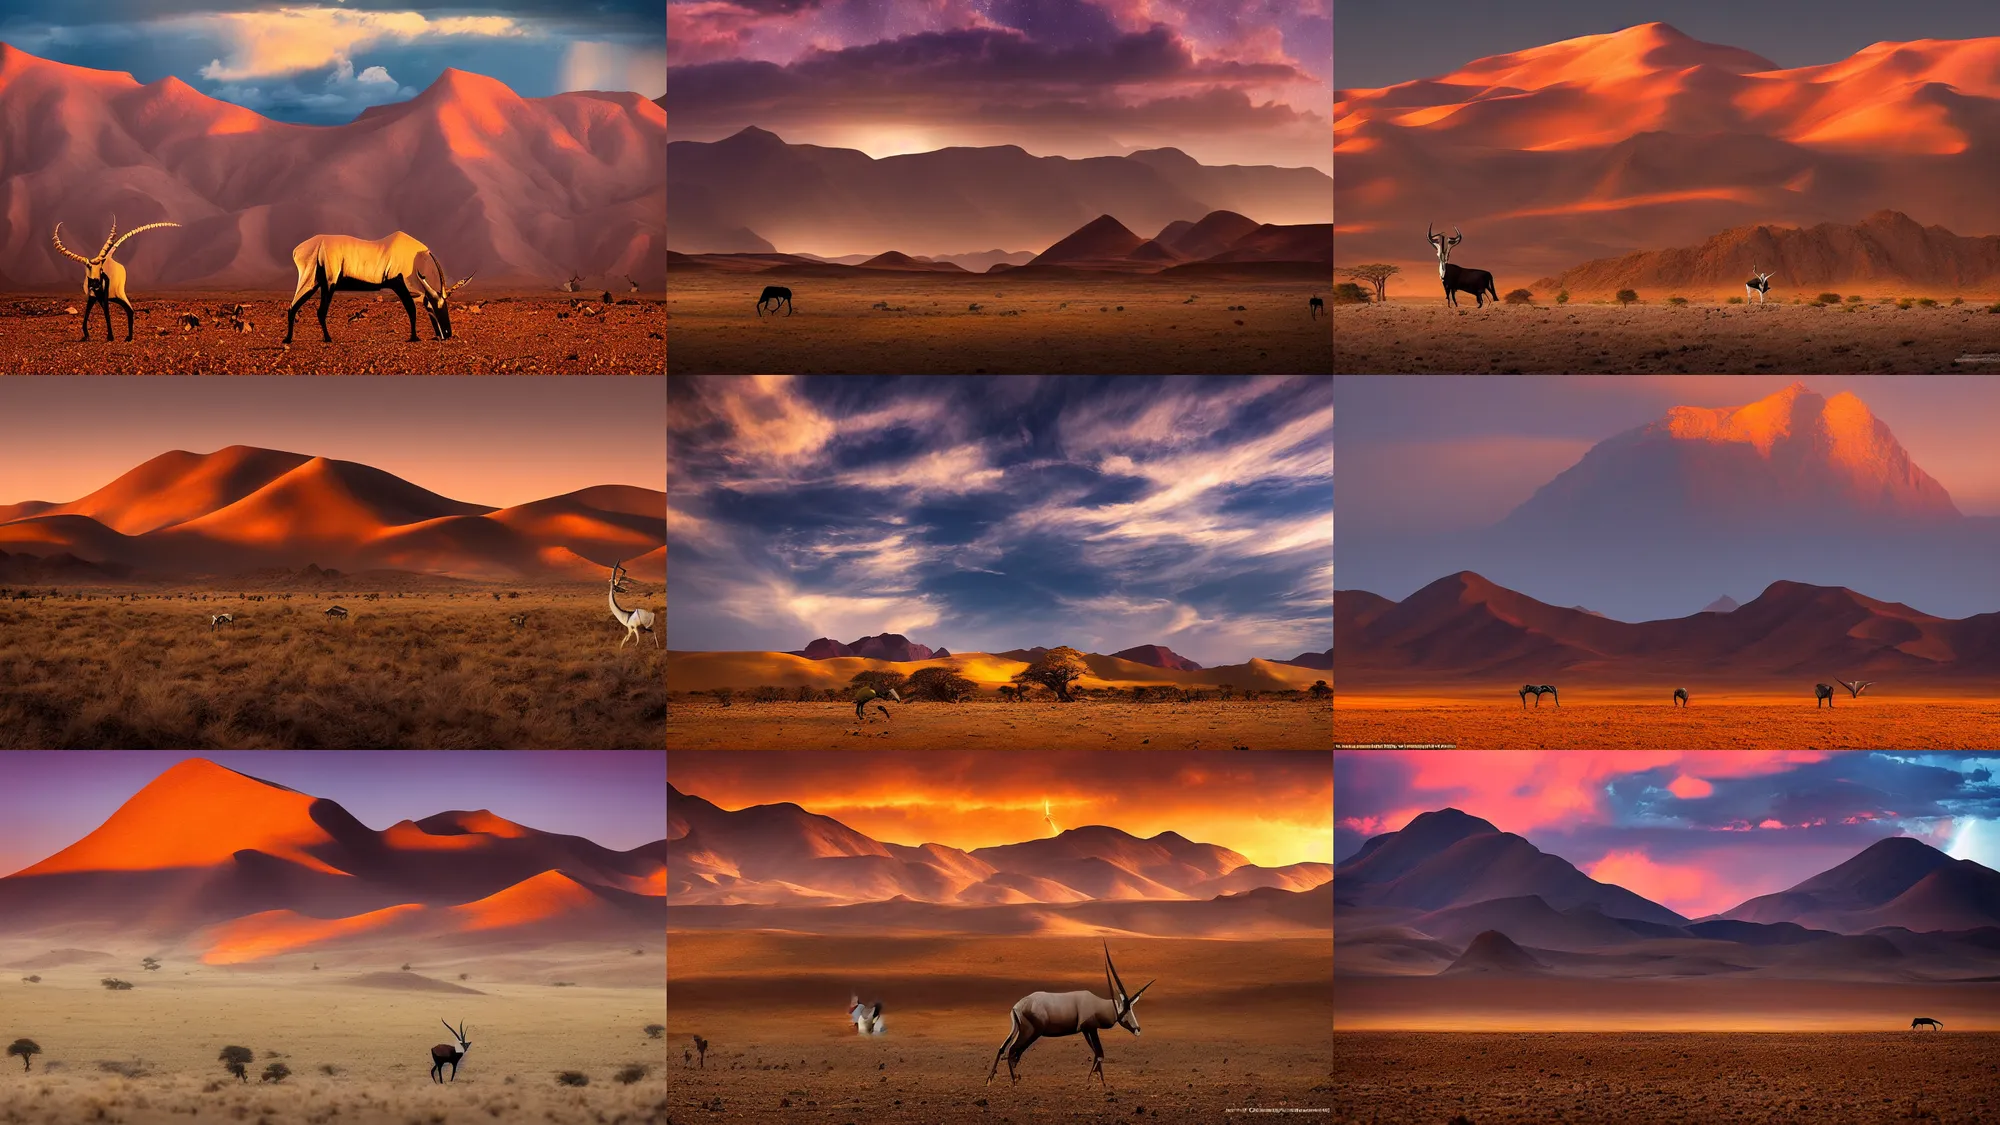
x: 447, y: 1053
x: 867, y: 1017
x: 1049, y: 1014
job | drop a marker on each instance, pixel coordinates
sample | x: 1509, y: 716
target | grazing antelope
x: 104, y: 278
x: 1822, y: 691
x: 701, y: 1053
x: 1680, y: 697
x: 1316, y: 306
x: 1458, y: 279
x: 1759, y: 284
x: 1854, y: 689
x: 337, y: 613
x: 636, y: 620
x: 1537, y: 692
x: 221, y: 619
x: 446, y: 1053
x: 867, y: 1017
x: 574, y: 283
x: 776, y: 294
x: 328, y: 263
x: 1935, y: 1025
x: 1052, y: 1014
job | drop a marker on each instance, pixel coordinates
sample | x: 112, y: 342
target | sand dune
x: 705, y: 671
x: 408, y: 982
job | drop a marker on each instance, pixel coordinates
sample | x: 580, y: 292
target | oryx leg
x: 325, y: 299
x: 127, y: 306
x: 292, y: 314
x: 89, y: 303
x: 1018, y: 1041
x: 401, y: 289
x: 1096, y: 1055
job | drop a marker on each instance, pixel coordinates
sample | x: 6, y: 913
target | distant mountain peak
x: 1159, y: 656
x: 1723, y: 604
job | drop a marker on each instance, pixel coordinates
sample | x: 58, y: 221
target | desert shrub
x: 328, y: 1069
x: 804, y: 694
x: 1905, y: 302
x: 465, y: 976
x: 1957, y: 301
x: 25, y: 1050
x: 882, y: 681
x: 1994, y: 307
x: 277, y: 1072
x: 133, y: 1069
x: 1519, y: 297
x: 1562, y: 296
x: 653, y: 1030
x: 1319, y: 690
x: 573, y: 1078
x: 1735, y: 300
x: 1828, y: 298
x: 1927, y: 302
x: 943, y: 685
x: 115, y: 985
x: 406, y: 966
x: 33, y: 980
x: 1627, y: 296
x: 1349, y: 293
x: 565, y: 984
x: 722, y: 695
x: 235, y: 1060
x: 766, y: 694
x: 630, y: 1074
x: 1854, y: 298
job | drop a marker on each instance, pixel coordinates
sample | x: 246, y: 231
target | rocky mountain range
x: 884, y: 646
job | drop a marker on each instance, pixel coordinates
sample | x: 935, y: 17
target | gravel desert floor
x: 1277, y: 725
x: 1766, y: 724
x: 358, y: 1054
x: 964, y: 326
x: 425, y: 671
x: 1231, y: 1025
x: 1425, y: 336
x: 511, y: 334
x: 1715, y: 1078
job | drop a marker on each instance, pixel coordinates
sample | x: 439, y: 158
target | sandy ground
x: 1411, y: 336
x: 515, y: 334
x: 979, y: 725
x: 1229, y: 1025
x: 931, y: 329
x: 1772, y: 723
x: 1715, y: 1078
x: 170, y: 1027
x: 426, y: 671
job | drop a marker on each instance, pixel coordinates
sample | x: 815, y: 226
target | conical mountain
x: 1101, y: 239
x: 1494, y: 953
x: 1899, y: 881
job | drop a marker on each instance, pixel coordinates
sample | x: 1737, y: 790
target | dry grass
x: 425, y: 671
x: 1425, y: 335
x: 930, y: 328
x: 781, y: 1048
x: 700, y: 724
x: 518, y: 333
x: 1717, y: 1078
x: 1744, y: 723
x: 522, y: 1034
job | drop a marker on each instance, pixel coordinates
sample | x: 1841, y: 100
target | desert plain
x: 1231, y: 1025
x: 513, y: 332
x: 1624, y: 719
x: 354, y: 1029
x: 1423, y: 334
x: 699, y: 724
x: 424, y: 668
x: 995, y: 325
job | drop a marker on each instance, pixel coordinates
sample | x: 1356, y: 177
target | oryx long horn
x: 1113, y: 971
x: 66, y: 251
x: 1142, y: 991
x: 447, y: 1026
x: 138, y: 230
x: 106, y: 248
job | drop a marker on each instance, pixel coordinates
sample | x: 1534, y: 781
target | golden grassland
x: 1424, y: 334
x: 1746, y: 722
x: 699, y: 723
x: 148, y: 1056
x: 424, y: 671
x: 1717, y: 1078
x: 1020, y: 327
x: 741, y: 671
x: 1228, y: 1025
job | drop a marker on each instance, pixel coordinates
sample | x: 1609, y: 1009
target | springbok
x: 776, y: 294
x: 1822, y: 691
x: 1935, y: 1025
x: 636, y: 620
x: 1316, y: 306
x: 1759, y: 284
x: 104, y: 278
x: 867, y: 1017
x: 221, y: 619
x: 1458, y: 279
x: 1680, y: 697
x: 328, y: 263
x: 1537, y: 691
x: 1052, y: 1014
x: 1854, y: 689
x: 447, y: 1053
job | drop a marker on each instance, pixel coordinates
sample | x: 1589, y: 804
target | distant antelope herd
x: 1822, y: 693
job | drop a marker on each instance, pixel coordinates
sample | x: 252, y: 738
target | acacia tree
x: 1376, y: 274
x: 1055, y: 669
x: 1319, y: 690
x: 26, y: 1049
x: 882, y: 681
x: 942, y: 684
x: 235, y: 1060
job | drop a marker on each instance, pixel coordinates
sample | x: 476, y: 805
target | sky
x: 987, y: 514
x: 1380, y: 44
x: 618, y: 799
x: 1272, y: 807
x: 322, y: 63
x: 1453, y: 453
x: 478, y: 439
x: 1698, y: 832
x: 1226, y: 81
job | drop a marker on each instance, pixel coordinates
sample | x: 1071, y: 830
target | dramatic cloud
x: 1698, y: 831
x: 1273, y: 808
x: 1229, y: 81
x: 290, y: 40
x: 993, y: 514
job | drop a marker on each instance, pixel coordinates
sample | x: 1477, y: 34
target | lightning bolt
x: 1048, y: 814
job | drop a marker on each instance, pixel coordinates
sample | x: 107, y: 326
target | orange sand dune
x: 705, y: 671
x: 197, y: 814
x: 272, y: 932
x: 325, y: 501
x: 179, y: 486
x: 551, y: 894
